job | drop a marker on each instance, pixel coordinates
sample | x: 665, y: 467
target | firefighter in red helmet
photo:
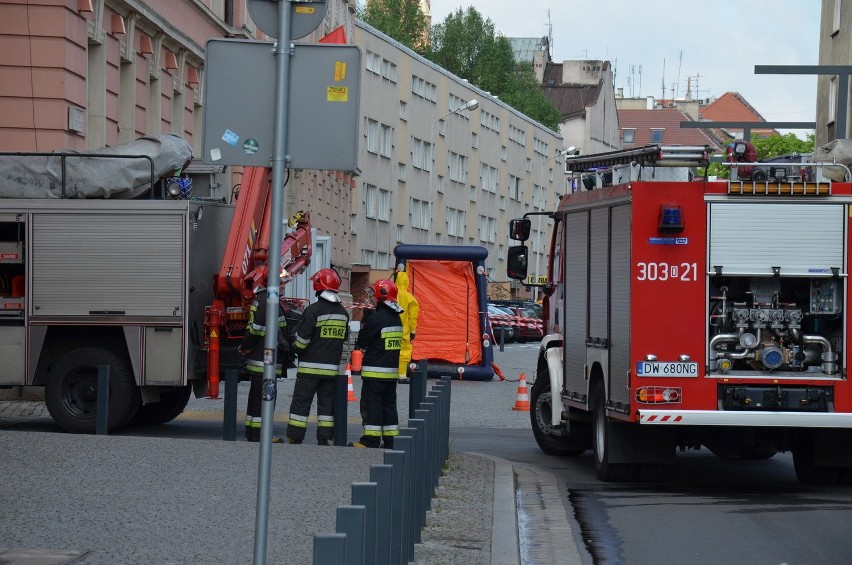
x: 319, y: 344
x: 380, y: 339
x: 251, y: 348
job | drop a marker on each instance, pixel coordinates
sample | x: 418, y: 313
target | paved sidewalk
x: 137, y: 499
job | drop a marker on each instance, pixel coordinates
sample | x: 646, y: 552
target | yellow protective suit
x: 411, y: 310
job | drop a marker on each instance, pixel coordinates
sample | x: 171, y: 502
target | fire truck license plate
x: 666, y: 369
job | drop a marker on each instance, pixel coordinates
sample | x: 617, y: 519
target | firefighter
x: 380, y: 339
x: 251, y: 348
x: 319, y: 344
x: 410, y: 311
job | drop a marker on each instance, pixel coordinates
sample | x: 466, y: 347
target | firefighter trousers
x: 379, y: 413
x: 254, y: 406
x: 300, y: 407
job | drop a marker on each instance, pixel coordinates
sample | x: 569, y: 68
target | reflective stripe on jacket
x: 380, y: 338
x: 320, y: 338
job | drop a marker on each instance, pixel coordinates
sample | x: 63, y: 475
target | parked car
x: 501, y: 321
x: 530, y: 326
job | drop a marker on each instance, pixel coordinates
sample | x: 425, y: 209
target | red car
x: 530, y: 326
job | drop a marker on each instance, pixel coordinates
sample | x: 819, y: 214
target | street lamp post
x: 470, y: 105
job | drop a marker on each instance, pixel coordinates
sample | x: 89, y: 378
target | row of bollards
x: 388, y: 512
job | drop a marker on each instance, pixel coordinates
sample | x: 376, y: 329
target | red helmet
x: 326, y: 279
x: 384, y: 290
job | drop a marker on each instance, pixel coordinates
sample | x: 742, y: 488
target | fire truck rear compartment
x: 779, y: 326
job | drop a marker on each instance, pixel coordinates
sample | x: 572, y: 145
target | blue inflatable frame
x: 476, y: 255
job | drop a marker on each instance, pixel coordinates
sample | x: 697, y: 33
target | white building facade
x: 434, y: 171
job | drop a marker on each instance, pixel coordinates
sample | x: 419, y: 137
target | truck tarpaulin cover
x: 93, y: 177
x: 448, y: 333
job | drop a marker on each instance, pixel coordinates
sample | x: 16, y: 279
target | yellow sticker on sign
x: 339, y: 71
x: 305, y: 9
x: 337, y: 94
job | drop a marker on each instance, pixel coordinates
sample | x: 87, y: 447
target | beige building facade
x: 434, y: 171
x: 835, y: 48
x: 86, y: 74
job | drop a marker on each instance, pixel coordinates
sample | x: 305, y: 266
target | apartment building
x: 833, y: 109
x: 86, y: 74
x: 437, y: 168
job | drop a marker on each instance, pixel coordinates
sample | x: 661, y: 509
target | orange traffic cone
x: 523, y: 401
x: 351, y: 397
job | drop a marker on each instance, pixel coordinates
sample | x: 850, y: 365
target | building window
x: 488, y: 177
x: 656, y: 136
x: 400, y: 172
x: 421, y: 154
x: 455, y: 222
x: 629, y: 136
x: 372, y: 134
x: 458, y: 167
x: 378, y: 203
x: 403, y: 110
x: 516, y: 188
x: 386, y: 141
x: 832, y: 99
x: 421, y: 214
x: 487, y: 229
x: 835, y: 18
x: 424, y: 88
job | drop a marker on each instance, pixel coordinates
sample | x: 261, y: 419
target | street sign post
x: 323, y: 102
x: 305, y: 17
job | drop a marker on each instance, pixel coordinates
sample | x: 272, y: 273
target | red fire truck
x: 682, y: 313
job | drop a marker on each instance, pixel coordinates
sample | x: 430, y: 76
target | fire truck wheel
x: 172, y: 403
x: 806, y: 471
x: 605, y: 435
x: 71, y: 393
x: 540, y: 413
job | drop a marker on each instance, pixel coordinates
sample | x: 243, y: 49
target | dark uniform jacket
x: 255, y: 336
x: 320, y: 338
x: 380, y: 338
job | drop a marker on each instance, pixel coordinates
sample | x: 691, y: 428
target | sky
x: 712, y: 46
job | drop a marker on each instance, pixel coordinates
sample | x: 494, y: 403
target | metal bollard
x: 382, y: 475
x: 102, y: 415
x: 229, y: 417
x: 396, y: 459
x: 405, y: 443
x: 351, y: 521
x: 364, y: 494
x: 419, y: 474
x: 341, y: 412
x: 425, y: 459
x: 434, y: 463
x: 417, y: 387
x: 330, y: 549
x: 448, y: 396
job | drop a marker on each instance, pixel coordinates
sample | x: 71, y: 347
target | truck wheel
x: 806, y: 471
x: 71, y: 393
x: 541, y: 409
x: 604, y: 436
x: 170, y: 406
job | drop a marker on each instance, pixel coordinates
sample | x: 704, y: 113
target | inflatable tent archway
x: 450, y: 283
